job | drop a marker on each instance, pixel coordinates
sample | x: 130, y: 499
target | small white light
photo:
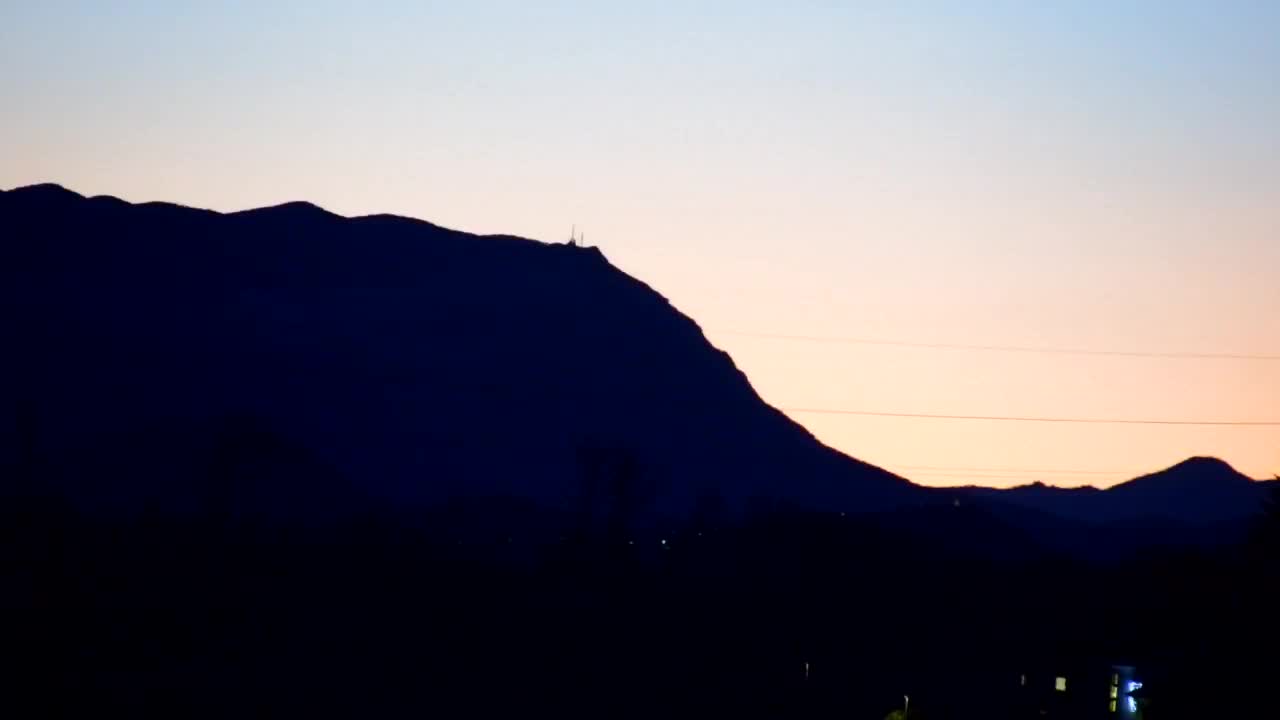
x: 664, y: 542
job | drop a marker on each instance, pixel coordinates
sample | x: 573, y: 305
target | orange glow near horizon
x: 1070, y: 175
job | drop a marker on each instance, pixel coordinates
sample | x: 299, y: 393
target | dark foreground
x: 459, y: 614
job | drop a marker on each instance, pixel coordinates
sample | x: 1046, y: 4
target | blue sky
x: 1083, y: 174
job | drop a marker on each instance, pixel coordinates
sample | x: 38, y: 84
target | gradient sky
x: 1098, y: 175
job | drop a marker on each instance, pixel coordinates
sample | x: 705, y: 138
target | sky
x: 1096, y: 175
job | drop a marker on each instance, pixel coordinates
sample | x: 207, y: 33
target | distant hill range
x: 1197, y: 491
x: 1199, y: 501
x: 290, y: 362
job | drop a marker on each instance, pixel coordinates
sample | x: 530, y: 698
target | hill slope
x: 289, y: 360
x: 1198, y: 495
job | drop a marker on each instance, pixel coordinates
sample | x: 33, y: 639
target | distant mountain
x: 1198, y: 499
x: 287, y: 360
x: 1197, y: 490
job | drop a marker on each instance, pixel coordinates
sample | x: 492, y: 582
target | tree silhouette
x: 1271, y: 509
x: 615, y: 488
x: 27, y: 427
x: 1266, y: 532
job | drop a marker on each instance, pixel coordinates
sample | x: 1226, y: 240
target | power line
x: 1010, y: 470
x: 1010, y: 476
x: 979, y: 476
x: 1010, y: 418
x: 1003, y: 348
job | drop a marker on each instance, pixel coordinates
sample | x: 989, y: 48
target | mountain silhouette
x: 1197, y: 492
x: 288, y: 360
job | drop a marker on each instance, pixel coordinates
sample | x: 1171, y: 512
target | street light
x: 906, y: 706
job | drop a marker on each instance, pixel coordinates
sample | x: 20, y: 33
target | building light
x: 1060, y: 684
x: 1024, y: 680
x: 1112, y: 706
x: 1114, y: 692
x: 1132, y: 702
